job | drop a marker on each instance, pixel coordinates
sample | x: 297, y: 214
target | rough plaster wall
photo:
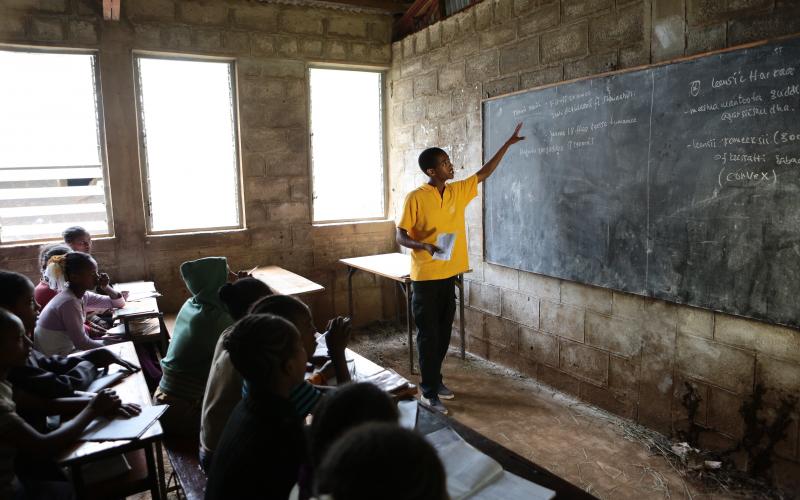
x: 272, y: 45
x: 624, y: 353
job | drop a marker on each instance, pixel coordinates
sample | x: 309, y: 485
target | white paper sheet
x: 408, y: 413
x: 511, y: 487
x: 468, y: 470
x: 445, y: 242
x: 103, y: 429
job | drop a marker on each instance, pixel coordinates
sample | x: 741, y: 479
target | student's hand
x: 515, y: 137
x: 105, y: 402
x: 95, y: 329
x: 338, y: 335
x: 104, y: 281
x: 431, y: 249
x: 129, y: 410
x: 103, y: 357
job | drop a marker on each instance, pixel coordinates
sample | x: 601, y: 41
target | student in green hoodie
x: 198, y: 325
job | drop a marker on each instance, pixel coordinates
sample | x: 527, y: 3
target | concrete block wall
x: 630, y: 355
x: 272, y: 45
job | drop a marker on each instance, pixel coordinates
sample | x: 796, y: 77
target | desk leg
x: 350, y: 272
x: 460, y: 285
x: 152, y: 472
x: 77, y: 481
x: 407, y: 287
x: 162, y: 474
x: 397, y: 289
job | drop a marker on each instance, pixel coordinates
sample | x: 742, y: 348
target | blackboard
x: 680, y: 182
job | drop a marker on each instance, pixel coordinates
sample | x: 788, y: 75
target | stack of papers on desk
x: 387, y: 380
x: 474, y: 475
x: 105, y: 429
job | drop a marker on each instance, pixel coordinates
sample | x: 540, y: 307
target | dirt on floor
x: 605, y: 455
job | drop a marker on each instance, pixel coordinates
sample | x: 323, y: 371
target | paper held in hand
x: 445, y: 242
x: 474, y: 475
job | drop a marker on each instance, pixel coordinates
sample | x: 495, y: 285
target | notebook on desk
x: 121, y: 428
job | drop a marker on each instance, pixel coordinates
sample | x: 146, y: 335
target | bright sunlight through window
x: 51, y: 166
x: 189, y: 140
x: 346, y: 144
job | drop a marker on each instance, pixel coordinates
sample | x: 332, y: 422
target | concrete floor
x: 586, y: 446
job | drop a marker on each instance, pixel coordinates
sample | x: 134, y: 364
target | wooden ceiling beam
x: 111, y: 10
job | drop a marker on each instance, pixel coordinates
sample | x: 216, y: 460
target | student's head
x: 78, y: 239
x: 380, y: 460
x: 294, y: 310
x: 16, y: 296
x: 266, y: 350
x: 241, y: 294
x: 51, y: 250
x: 76, y: 268
x: 348, y: 407
x: 435, y: 163
x: 14, y: 344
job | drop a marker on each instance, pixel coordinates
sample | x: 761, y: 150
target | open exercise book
x: 114, y: 429
x: 474, y: 475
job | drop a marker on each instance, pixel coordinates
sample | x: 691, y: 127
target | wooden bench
x: 190, y: 480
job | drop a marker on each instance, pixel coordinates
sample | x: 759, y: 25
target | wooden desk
x: 429, y: 421
x: 286, y: 282
x: 397, y: 267
x: 141, y: 320
x: 131, y: 389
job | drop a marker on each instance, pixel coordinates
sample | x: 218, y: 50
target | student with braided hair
x: 60, y: 328
x: 263, y: 445
x: 44, y: 292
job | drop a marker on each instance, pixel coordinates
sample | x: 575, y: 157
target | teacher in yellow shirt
x: 432, y: 226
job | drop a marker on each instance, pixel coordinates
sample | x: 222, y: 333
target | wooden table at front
x: 397, y: 266
x: 286, y: 282
x: 131, y: 389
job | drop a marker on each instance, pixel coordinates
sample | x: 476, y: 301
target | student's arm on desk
x: 492, y: 164
x: 23, y: 436
x: 403, y: 239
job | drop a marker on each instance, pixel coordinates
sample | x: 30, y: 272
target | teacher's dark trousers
x: 434, y: 305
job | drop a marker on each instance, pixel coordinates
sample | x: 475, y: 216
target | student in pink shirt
x: 60, y: 328
x: 44, y: 293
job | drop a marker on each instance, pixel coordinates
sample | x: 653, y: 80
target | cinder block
x: 520, y: 308
x: 519, y: 56
x: 434, y: 35
x: 423, y: 85
x: 562, y: 320
x: 50, y: 6
x: 351, y: 26
x: 300, y: 189
x: 706, y: 38
x: 683, y: 390
x: 558, y: 379
x: 591, y: 65
x: 203, y: 12
x: 287, y: 163
x: 618, y: 29
x: 498, y: 35
x: 780, y: 378
x: 777, y: 341
x: 413, y: 111
x: 484, y: 65
x: 501, y: 86
x: 301, y: 21
x: 637, y: 54
x: 538, y: 347
x: 627, y: 305
x: 254, y: 165
x: 568, y: 42
x: 716, y: 363
x: 669, y: 29
x: 467, y: 99
x: 697, y: 322
x: 623, y: 376
x: 539, y: 20
x: 47, y: 29
x: 655, y: 406
x: 206, y: 39
x: 708, y: 11
x: 267, y: 189
x: 473, y: 323
x: 574, y: 9
x: 511, y: 359
x: 608, y: 400
x: 620, y: 336
x: 286, y: 47
x: 466, y: 22
x: 474, y: 239
x: 257, y: 16
x: 289, y: 212
x: 236, y: 41
x: 359, y: 51
x: 283, y: 68
x: 264, y: 140
x: 178, y: 37
x: 335, y: 50
x: 503, y: 9
x: 484, y: 15
x: 83, y: 32
x: 149, y: 10
x: 462, y: 49
x: 501, y: 276
x: 593, y: 298
x: 584, y: 362
x: 484, y: 297
x: 12, y: 25
x: 380, y: 53
x: 454, y: 131
x: 451, y: 76
x: 540, y: 286
x: 723, y: 412
x: 311, y: 48
x: 420, y: 39
x: 541, y: 77
x: 438, y: 106
x: 381, y: 30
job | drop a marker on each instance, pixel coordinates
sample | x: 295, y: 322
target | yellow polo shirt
x: 426, y: 214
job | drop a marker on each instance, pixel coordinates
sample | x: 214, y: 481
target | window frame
x: 143, y: 164
x: 382, y: 71
x: 101, y: 135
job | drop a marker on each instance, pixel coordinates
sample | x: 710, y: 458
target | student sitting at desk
x: 381, y: 460
x: 263, y: 445
x: 224, y: 386
x: 198, y: 325
x: 44, y: 292
x: 16, y: 435
x: 60, y: 328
